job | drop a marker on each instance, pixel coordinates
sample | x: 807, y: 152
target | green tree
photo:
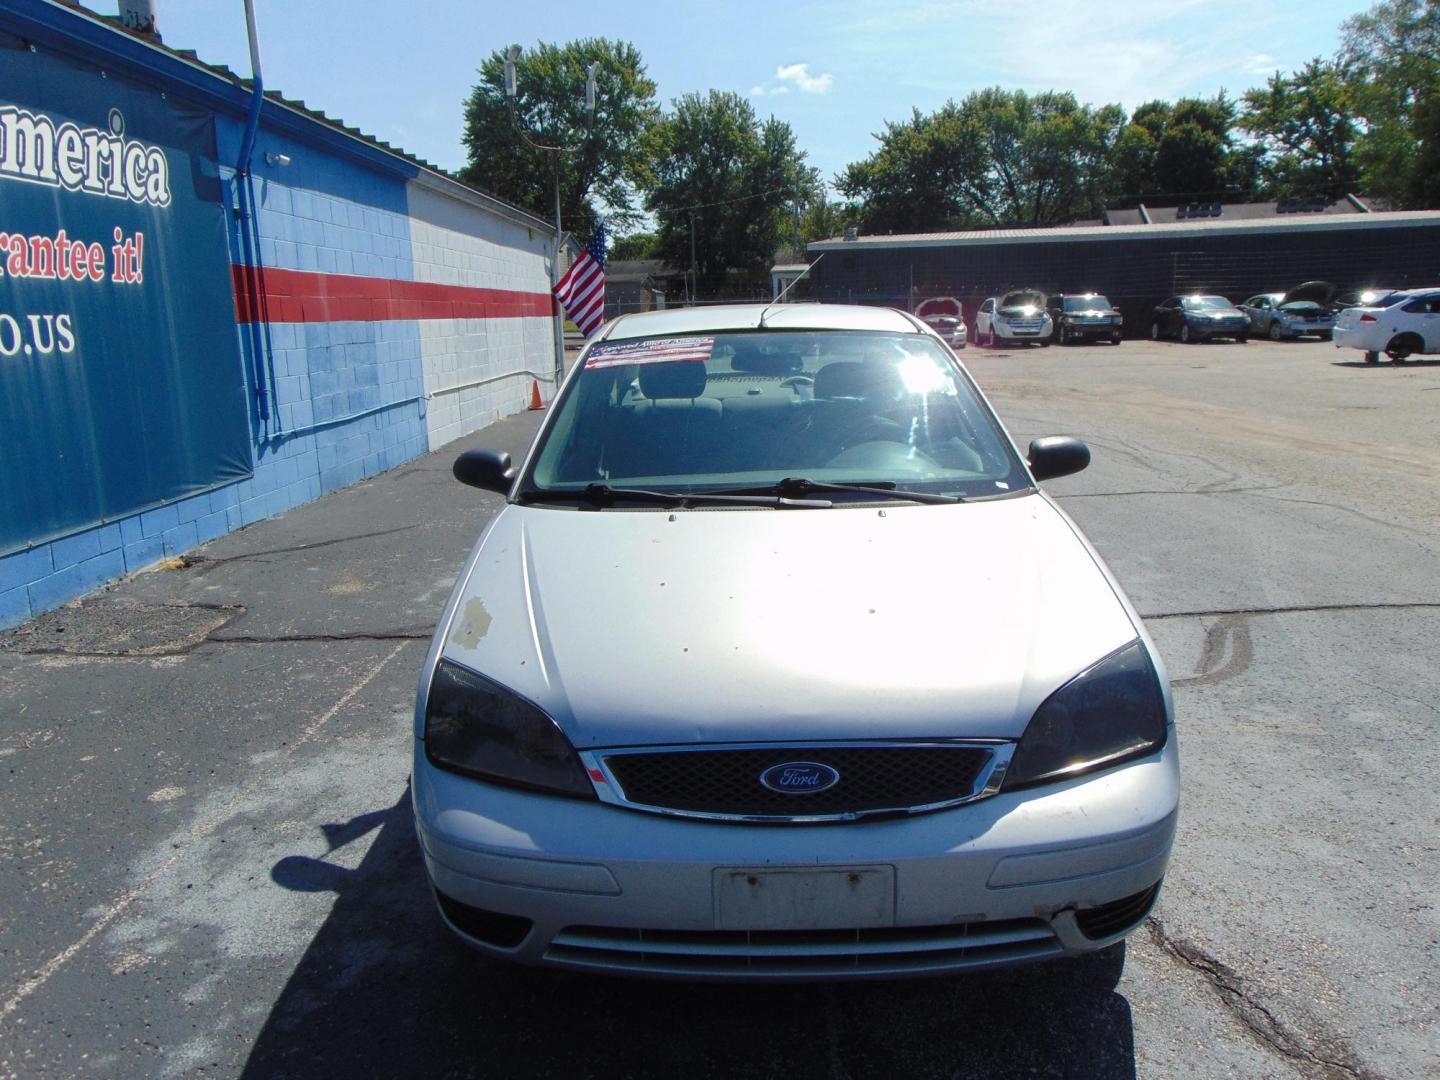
x: 919, y: 178
x: 1424, y: 188
x: 1193, y: 158
x: 823, y: 219
x: 998, y: 158
x: 723, y: 181
x: 640, y: 245
x: 1304, y: 123
x: 1392, y: 57
x: 1183, y: 150
x: 1132, y: 163
x: 599, y: 177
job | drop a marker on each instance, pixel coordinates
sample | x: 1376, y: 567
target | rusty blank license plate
x: 835, y: 898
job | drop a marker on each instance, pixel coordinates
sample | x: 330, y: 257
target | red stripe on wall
x: 300, y: 296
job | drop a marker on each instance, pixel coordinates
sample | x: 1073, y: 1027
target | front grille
x: 872, y: 779
x: 782, y: 954
x: 1100, y: 922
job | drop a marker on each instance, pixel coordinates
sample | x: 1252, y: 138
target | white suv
x: 1398, y: 324
x: 1018, y: 316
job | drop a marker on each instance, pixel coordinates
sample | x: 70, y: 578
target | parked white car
x: 1018, y: 316
x: 1399, y: 325
x: 777, y: 663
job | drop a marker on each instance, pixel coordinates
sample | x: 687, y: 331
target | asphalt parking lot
x: 211, y: 871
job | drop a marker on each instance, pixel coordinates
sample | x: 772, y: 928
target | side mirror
x: 488, y: 470
x: 1057, y: 455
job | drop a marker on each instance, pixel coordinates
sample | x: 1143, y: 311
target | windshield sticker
x: 651, y: 351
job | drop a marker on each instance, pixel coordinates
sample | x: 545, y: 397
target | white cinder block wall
x: 479, y: 369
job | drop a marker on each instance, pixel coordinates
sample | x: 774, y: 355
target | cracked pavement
x: 211, y: 869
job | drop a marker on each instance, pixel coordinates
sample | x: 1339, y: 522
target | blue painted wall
x: 345, y: 399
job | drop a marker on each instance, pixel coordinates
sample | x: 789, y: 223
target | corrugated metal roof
x: 1213, y: 227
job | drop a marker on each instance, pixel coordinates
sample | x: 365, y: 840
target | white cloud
x: 798, y: 75
x: 757, y: 91
x: 1261, y: 64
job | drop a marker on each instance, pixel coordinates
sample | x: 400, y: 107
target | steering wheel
x: 875, y: 429
x: 892, y: 459
x: 793, y: 381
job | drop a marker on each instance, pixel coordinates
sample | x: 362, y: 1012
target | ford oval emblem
x: 799, y: 777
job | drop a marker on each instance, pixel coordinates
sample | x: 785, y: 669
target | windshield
x: 1086, y: 303
x: 1204, y: 303
x: 740, y: 410
x: 1024, y: 298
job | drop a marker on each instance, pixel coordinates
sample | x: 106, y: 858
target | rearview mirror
x: 1057, y: 455
x: 488, y: 470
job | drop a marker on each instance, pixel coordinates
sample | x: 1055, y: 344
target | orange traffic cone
x: 535, y: 402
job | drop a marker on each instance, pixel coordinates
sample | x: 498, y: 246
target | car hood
x: 1014, y: 304
x: 938, y: 307
x: 903, y: 621
x: 1317, y: 292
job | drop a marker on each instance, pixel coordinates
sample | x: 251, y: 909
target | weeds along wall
x: 185, y: 350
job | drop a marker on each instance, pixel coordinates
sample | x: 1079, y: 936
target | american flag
x: 581, y: 291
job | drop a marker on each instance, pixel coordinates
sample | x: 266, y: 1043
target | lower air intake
x: 818, y: 954
x: 1118, y: 915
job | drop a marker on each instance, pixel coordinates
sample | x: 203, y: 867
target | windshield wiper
x: 798, y: 487
x: 605, y: 495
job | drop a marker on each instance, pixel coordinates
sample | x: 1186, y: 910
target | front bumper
x: 1299, y: 329
x: 998, y: 881
x: 1220, y: 329
x: 1093, y: 330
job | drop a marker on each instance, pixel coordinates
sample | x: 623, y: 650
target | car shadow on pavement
x: 1386, y: 362
x: 384, y: 990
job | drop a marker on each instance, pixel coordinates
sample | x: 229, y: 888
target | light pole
x: 512, y: 57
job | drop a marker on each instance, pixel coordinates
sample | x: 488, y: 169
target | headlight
x: 1112, y: 711
x: 479, y: 729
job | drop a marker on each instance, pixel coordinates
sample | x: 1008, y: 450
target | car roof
x: 728, y: 317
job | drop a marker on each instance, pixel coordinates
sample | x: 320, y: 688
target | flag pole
x: 511, y: 87
x: 559, y: 314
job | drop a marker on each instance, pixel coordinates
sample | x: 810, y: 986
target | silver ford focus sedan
x: 777, y: 664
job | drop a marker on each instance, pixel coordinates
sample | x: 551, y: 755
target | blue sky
x: 835, y: 71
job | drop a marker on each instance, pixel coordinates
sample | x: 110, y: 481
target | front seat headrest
x: 749, y: 358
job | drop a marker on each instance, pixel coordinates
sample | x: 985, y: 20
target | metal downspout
x: 249, y: 235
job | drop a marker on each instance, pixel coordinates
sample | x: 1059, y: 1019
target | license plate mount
x: 804, y: 898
